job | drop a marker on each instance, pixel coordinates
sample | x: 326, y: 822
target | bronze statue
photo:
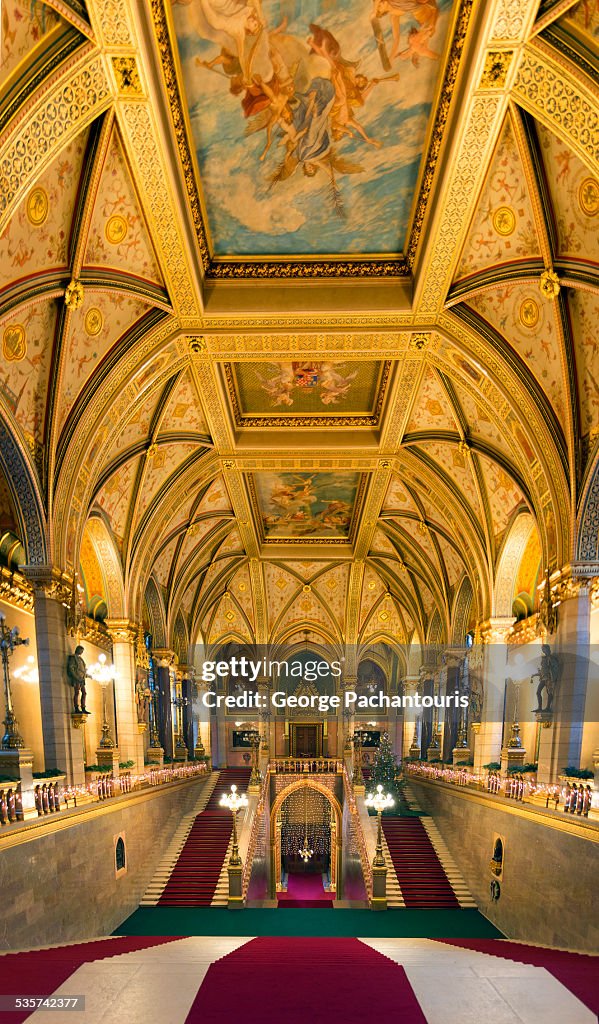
x: 77, y: 674
x: 547, y: 675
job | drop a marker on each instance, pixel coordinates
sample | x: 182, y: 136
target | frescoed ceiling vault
x: 299, y: 308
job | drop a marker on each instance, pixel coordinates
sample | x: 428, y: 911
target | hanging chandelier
x: 305, y: 851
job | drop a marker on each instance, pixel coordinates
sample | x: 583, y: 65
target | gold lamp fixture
x: 305, y: 851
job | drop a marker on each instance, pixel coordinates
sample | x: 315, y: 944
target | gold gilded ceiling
x: 239, y: 449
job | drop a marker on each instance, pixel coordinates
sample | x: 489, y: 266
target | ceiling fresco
x: 314, y: 506
x: 287, y: 392
x: 316, y: 113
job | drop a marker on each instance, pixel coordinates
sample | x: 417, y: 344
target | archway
x: 334, y: 843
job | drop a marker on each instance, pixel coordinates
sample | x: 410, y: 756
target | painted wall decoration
x: 314, y: 112
x: 311, y: 505
x: 261, y: 391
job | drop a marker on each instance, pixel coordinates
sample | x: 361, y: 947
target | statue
x: 547, y: 675
x: 143, y: 695
x: 77, y: 674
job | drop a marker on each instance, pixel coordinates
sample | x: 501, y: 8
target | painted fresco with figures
x: 317, y: 112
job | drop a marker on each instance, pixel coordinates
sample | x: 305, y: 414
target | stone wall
x: 549, y: 876
x: 62, y: 886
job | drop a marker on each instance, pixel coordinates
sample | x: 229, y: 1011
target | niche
x: 497, y: 856
x: 120, y: 858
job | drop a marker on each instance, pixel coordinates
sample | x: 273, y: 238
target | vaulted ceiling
x: 318, y: 390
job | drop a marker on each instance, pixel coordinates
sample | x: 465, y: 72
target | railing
x: 512, y: 786
x: 305, y: 765
x: 51, y: 797
x: 348, y: 790
x: 11, y: 808
x: 256, y: 822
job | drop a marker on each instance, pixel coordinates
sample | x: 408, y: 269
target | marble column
x: 165, y: 670
x: 494, y: 635
x: 410, y: 714
x: 63, y: 744
x: 123, y: 634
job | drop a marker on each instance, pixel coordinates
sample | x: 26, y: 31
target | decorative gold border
x: 292, y: 541
x: 309, y: 419
x: 314, y: 267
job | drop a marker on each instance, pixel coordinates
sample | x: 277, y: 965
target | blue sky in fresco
x: 247, y: 214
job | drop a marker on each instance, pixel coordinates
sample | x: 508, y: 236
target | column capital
x: 496, y: 630
x: 122, y: 631
x: 50, y: 581
x: 165, y: 657
x: 577, y: 579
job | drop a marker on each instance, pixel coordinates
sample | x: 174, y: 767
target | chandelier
x: 305, y: 851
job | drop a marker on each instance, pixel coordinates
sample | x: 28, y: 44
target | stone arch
x: 462, y: 610
x: 587, y: 547
x: 25, y: 492
x: 156, y: 617
x: 275, y: 833
x: 509, y: 562
x: 109, y: 563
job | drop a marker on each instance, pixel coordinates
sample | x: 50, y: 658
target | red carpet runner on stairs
x: 421, y: 877
x: 305, y: 981
x: 195, y: 876
x: 305, y: 891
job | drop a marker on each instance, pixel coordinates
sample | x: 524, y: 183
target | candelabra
x: 9, y: 639
x: 380, y: 802
x: 253, y: 736
x: 104, y: 675
x: 234, y: 801
x: 179, y: 703
x: 358, y: 741
x: 305, y: 851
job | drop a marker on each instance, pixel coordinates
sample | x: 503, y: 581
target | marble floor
x: 451, y: 984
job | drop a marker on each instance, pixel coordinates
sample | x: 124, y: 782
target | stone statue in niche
x: 548, y: 676
x: 76, y: 675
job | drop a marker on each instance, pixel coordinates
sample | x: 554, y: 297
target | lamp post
x: 358, y: 777
x: 179, y: 702
x: 254, y: 737
x: 9, y: 639
x: 235, y: 801
x: 103, y: 674
x: 379, y: 801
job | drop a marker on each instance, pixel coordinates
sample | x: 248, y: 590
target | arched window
x: 119, y: 854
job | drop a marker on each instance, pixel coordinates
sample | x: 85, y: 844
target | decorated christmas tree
x: 384, y: 770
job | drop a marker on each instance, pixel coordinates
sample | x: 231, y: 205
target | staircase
x: 420, y: 874
x: 195, y: 876
x: 171, y: 854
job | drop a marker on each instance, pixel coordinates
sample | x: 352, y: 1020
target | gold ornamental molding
x: 548, y: 87
x: 67, y: 105
x: 382, y: 323
x: 15, y: 590
x: 121, y: 631
x: 351, y: 346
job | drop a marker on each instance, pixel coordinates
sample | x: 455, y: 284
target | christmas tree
x: 384, y: 770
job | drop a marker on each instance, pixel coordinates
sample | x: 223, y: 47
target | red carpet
x: 421, y: 878
x: 195, y: 876
x: 42, y: 971
x: 575, y: 971
x: 305, y: 981
x: 305, y: 891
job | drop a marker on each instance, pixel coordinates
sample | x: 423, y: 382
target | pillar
x: 561, y: 740
x: 63, y: 744
x: 123, y: 635
x: 493, y: 655
x: 410, y: 689
x: 164, y: 670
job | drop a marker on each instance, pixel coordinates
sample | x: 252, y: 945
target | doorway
x: 306, y: 740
